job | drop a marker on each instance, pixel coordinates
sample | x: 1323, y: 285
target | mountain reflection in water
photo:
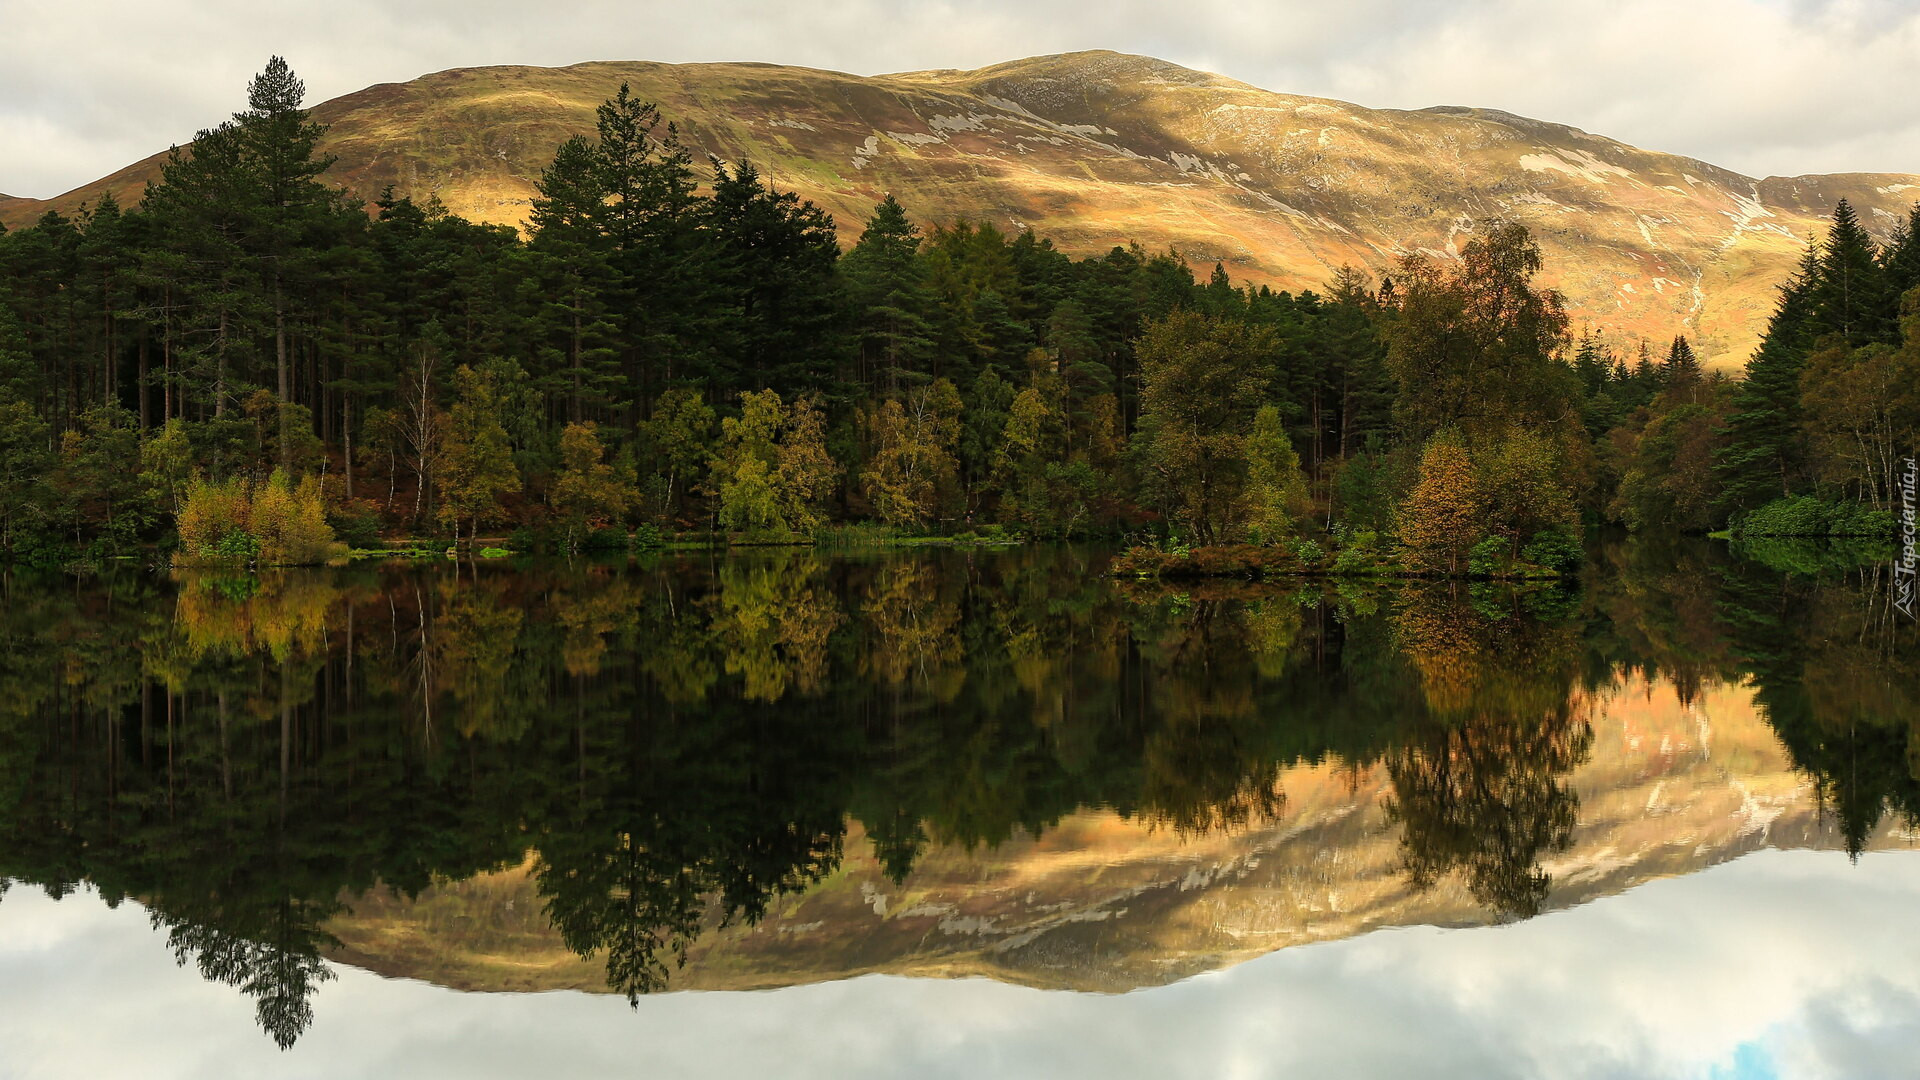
x: 785, y: 766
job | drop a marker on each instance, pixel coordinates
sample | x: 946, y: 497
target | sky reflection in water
x: 1780, y: 964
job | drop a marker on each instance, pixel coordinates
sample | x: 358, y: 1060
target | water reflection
x: 672, y: 748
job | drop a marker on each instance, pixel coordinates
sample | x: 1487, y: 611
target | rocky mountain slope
x: 1105, y: 904
x: 1096, y: 149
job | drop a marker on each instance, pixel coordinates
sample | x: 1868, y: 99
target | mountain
x: 1103, y: 903
x: 1098, y: 148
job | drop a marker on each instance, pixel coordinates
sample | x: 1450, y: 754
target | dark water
x: 783, y: 768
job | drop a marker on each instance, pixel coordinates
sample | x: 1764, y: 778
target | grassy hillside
x: 1096, y: 149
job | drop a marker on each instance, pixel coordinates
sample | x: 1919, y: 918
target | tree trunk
x: 346, y: 439
x: 283, y: 371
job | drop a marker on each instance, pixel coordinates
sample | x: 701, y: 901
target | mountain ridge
x: 1095, y: 149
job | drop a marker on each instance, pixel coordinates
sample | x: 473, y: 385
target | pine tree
x: 773, y: 264
x: 575, y: 261
x: 1682, y: 368
x: 887, y: 286
x: 1763, y: 455
x: 1849, y: 290
x: 280, y: 142
x: 1900, y: 259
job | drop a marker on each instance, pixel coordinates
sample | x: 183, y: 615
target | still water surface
x: 958, y: 813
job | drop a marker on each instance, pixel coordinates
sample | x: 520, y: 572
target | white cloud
x: 1783, y: 963
x: 1761, y: 86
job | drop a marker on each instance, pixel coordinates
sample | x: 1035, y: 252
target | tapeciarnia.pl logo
x: 1903, y: 569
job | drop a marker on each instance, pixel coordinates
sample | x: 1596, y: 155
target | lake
x: 959, y: 812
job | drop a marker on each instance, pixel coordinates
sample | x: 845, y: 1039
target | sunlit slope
x: 1101, y: 903
x: 1096, y: 149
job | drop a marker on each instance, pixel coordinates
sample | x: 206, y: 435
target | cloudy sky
x: 1793, y: 964
x: 1761, y: 86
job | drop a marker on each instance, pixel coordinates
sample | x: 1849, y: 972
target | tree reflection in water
x: 679, y: 743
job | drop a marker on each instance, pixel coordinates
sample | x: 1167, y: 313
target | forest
x: 252, y: 367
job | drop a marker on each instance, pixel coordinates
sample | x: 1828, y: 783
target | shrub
x: 210, y: 512
x: 291, y: 522
x: 608, y: 538
x: 1488, y: 557
x: 356, y: 528
x: 274, y: 524
x: 238, y: 547
x: 1553, y: 549
x: 858, y: 534
x: 1804, y: 515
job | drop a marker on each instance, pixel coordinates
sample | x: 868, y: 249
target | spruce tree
x: 1900, y: 259
x: 1763, y: 456
x: 574, y: 261
x: 891, y: 301
x: 1849, y: 292
x: 773, y: 266
x: 1682, y: 368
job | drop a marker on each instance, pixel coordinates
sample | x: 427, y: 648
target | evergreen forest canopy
x: 670, y: 348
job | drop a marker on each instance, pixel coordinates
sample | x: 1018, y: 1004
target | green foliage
x: 1814, y: 556
x: 99, y: 493
x: 1487, y: 558
x: 855, y: 536
x: 26, y: 459
x: 1203, y: 379
x: 605, y: 539
x: 586, y: 493
x: 356, y: 528
x: 1520, y: 484
x: 1806, y: 515
x: 1309, y: 552
x: 1474, y: 344
x: 1276, y: 491
x: 237, y: 522
x: 236, y: 547
x: 1364, y: 495
x: 1666, y: 457
x: 476, y: 459
x: 678, y: 445
x: 913, y: 474
x: 1554, y: 549
x: 773, y: 469
x: 1444, y: 514
x: 1828, y: 401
